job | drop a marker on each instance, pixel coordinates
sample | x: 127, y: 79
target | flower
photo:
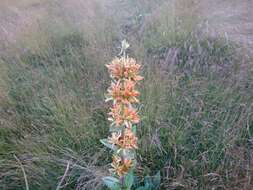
x: 121, y: 114
x: 126, y: 68
x: 115, y: 114
x: 114, y: 92
x: 121, y: 166
x: 115, y: 138
x: 123, y: 92
x: 129, y: 93
x: 127, y: 140
x: 116, y: 68
x: 131, y: 70
x: 130, y: 116
x: 124, y: 72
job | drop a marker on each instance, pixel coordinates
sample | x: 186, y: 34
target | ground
x: 230, y: 18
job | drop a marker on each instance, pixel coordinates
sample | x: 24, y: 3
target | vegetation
x: 196, y: 104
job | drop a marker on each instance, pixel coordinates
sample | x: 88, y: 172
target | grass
x: 54, y: 101
x: 196, y: 110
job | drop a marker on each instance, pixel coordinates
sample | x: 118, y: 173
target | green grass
x: 196, y: 111
x: 57, y: 97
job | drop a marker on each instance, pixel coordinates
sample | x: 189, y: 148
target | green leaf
x: 157, y: 180
x: 148, y: 182
x: 108, y: 144
x: 130, y: 154
x: 112, y: 183
x: 141, y: 188
x: 115, y: 129
x: 134, y: 129
x: 129, y: 180
x: 152, y: 183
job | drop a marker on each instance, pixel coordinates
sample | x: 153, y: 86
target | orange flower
x: 123, y: 93
x: 115, y: 92
x: 115, y: 138
x: 130, y: 116
x: 129, y: 93
x: 116, y: 68
x: 128, y: 140
x: 131, y: 70
x: 124, y: 68
x: 116, y: 115
x: 125, y: 141
x: 121, y: 166
x: 121, y: 114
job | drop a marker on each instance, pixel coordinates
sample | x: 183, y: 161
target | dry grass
x: 231, y: 18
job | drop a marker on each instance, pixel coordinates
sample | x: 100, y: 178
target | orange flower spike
x: 124, y: 72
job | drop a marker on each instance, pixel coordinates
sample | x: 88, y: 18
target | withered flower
x: 121, y: 166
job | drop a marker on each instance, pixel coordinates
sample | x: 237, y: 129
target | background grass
x: 196, y: 99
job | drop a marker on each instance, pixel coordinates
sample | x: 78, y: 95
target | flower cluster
x: 128, y: 70
x: 121, y: 166
x: 123, y: 115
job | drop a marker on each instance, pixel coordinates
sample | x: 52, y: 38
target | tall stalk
x: 123, y: 115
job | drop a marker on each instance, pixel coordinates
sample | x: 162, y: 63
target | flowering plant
x: 123, y: 115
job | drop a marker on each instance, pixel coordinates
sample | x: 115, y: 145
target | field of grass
x: 196, y: 99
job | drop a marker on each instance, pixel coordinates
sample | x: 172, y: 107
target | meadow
x: 196, y: 97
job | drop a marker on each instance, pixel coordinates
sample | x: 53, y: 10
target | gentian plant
x: 123, y: 115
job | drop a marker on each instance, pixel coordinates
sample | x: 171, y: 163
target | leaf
x: 108, y: 144
x: 152, y: 183
x: 129, y: 180
x: 129, y: 154
x: 124, y: 44
x: 134, y: 129
x: 157, y: 180
x: 115, y: 129
x: 141, y: 188
x: 148, y: 182
x: 112, y: 183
